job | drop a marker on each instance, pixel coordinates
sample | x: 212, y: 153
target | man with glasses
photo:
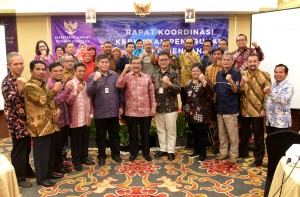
x: 67, y: 61
x: 167, y: 86
x: 242, y: 53
x: 207, y: 56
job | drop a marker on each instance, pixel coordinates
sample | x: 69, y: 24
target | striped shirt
x: 253, y: 98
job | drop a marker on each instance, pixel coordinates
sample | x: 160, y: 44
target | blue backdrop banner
x: 120, y: 30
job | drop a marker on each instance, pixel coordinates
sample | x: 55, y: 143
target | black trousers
x: 112, y: 126
x: 79, y: 144
x: 258, y: 131
x: 274, y: 129
x: 134, y: 123
x: 199, y: 132
x: 42, y: 157
x: 20, y: 157
x: 59, y: 139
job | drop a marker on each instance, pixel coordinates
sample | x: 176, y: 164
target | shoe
x: 160, y: 154
x: 78, y: 168
x: 147, y: 157
x: 25, y: 184
x: 31, y: 175
x: 117, y: 158
x: 101, y: 161
x: 222, y: 157
x: 132, y: 157
x: 256, y: 164
x: 201, y: 158
x: 64, y: 170
x: 55, y: 176
x: 193, y: 155
x: 171, y: 156
x: 232, y: 160
x: 47, y: 183
x: 87, y: 161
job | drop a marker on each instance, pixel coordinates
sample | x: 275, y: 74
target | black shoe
x: 201, y: 158
x: 101, y: 161
x: 256, y: 164
x: 87, y: 161
x: 55, y: 176
x: 78, y: 167
x: 171, y: 156
x: 147, y: 157
x: 47, y: 183
x: 160, y: 154
x: 117, y: 158
x: 193, y: 155
x: 25, y: 184
x: 31, y: 175
x: 132, y: 157
x: 64, y: 170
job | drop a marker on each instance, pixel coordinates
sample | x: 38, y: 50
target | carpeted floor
x: 183, y: 177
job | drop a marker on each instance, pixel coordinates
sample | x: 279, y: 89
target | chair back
x: 277, y: 144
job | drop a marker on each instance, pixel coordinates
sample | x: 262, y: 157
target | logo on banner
x: 70, y: 27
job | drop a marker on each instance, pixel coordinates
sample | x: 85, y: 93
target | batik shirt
x: 278, y: 112
x: 167, y: 99
x: 14, y: 108
x: 186, y: 66
x: 240, y: 57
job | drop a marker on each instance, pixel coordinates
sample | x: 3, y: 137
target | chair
x: 277, y: 144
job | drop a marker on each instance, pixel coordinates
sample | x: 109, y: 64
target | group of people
x: 64, y: 94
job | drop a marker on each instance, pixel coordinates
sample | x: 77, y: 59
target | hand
x: 166, y: 80
x: 219, y: 63
x: 43, y: 54
x: 97, y: 76
x: 229, y: 78
x: 56, y: 115
x: 20, y: 84
x: 70, y: 85
x: 262, y: 113
x: 121, y: 111
x: 202, y: 77
x: 244, y: 79
x: 58, y: 86
x: 67, y: 79
x: 152, y: 112
x: 187, y: 55
x: 127, y: 68
x: 80, y: 87
x: 267, y: 90
x: 77, y: 52
x: 155, y: 49
x: 254, y: 44
x: 90, y: 120
x: 206, y: 53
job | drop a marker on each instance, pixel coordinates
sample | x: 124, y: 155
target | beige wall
x: 30, y: 29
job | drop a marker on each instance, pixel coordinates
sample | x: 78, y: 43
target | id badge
x: 160, y: 90
x: 189, y: 93
x: 106, y: 90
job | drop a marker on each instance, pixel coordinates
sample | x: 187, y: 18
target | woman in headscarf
x: 93, y: 51
x: 87, y: 59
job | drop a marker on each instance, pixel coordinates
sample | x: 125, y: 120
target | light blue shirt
x: 278, y: 113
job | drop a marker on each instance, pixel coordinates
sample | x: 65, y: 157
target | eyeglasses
x: 241, y: 40
x: 136, y: 63
x: 163, y: 60
x: 72, y: 61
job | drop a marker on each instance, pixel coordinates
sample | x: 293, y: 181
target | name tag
x: 160, y: 90
x: 106, y: 90
x: 189, y: 93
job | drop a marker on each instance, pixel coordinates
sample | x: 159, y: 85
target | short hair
x: 163, y: 53
x: 54, y: 65
x: 286, y: 69
x: 166, y: 40
x: 63, y: 58
x: 34, y: 62
x: 217, y: 49
x: 228, y: 54
x: 12, y: 54
x: 198, y: 65
x: 60, y: 47
x: 211, y: 43
x: 242, y: 35
x: 37, y: 51
x: 107, y: 42
x: 135, y: 58
x: 128, y: 43
x: 223, y: 39
x: 78, y: 65
x: 253, y: 55
x: 139, y: 40
x: 101, y: 57
x: 69, y: 43
x: 189, y: 37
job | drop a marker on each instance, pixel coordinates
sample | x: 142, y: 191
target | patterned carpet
x: 183, y: 177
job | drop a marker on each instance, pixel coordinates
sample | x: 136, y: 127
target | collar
x: 38, y: 82
x: 245, y: 49
x: 281, y: 83
x: 229, y: 71
x: 131, y: 73
x: 168, y: 71
x: 77, y: 80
